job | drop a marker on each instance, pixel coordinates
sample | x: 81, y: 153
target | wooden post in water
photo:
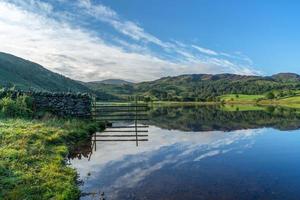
x: 95, y: 141
x: 136, y: 132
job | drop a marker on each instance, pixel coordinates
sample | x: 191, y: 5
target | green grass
x: 295, y: 99
x: 32, y: 158
x: 291, y: 102
x: 241, y: 97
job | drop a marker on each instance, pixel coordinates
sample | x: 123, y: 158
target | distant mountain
x: 118, y: 88
x: 203, y: 87
x: 27, y: 75
x: 112, y: 82
x: 286, y: 77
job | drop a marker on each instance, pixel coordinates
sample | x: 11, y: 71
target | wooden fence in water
x: 126, y: 122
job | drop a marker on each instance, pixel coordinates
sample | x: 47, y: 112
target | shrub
x: 21, y: 106
x: 270, y: 95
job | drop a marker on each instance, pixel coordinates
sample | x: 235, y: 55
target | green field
x: 32, y: 158
x: 241, y: 98
x: 292, y: 101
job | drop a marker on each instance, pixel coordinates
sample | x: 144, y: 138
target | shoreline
x: 264, y: 103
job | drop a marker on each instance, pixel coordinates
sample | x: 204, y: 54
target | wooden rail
x: 118, y: 111
x: 120, y: 136
x: 123, y: 115
x: 140, y: 126
x: 125, y: 131
x: 121, y: 106
x: 120, y: 119
x: 122, y: 140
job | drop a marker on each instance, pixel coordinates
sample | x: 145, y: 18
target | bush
x: 21, y: 106
x: 270, y: 95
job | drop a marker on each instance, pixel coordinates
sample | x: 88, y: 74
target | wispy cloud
x: 66, y: 42
x: 126, y: 27
x: 204, y: 50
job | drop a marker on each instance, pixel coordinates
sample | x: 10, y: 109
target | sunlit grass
x: 295, y: 99
x: 292, y: 102
x: 32, y: 158
x: 241, y: 97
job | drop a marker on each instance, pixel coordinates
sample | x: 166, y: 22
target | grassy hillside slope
x: 27, y: 75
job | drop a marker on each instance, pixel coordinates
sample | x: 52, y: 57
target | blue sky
x: 144, y: 40
x: 266, y: 31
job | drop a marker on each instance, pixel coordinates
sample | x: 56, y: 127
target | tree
x: 270, y: 95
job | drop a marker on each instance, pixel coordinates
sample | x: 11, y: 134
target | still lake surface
x: 195, y: 153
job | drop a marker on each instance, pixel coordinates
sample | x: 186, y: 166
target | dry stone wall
x: 63, y: 104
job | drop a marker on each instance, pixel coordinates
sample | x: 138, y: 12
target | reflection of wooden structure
x: 125, y: 122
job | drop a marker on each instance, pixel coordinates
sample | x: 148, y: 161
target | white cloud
x: 204, y: 50
x: 126, y: 27
x: 99, y: 10
x: 29, y: 30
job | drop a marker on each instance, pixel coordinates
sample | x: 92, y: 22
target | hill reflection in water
x: 211, y: 118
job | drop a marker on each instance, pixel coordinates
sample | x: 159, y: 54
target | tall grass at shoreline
x: 32, y: 157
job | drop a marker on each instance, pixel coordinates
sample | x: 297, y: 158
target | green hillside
x: 26, y: 75
x: 204, y: 87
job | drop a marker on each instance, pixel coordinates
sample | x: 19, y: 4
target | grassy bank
x: 241, y: 98
x: 32, y: 157
x: 291, y: 102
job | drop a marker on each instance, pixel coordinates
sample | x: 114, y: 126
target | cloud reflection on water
x: 118, y: 165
